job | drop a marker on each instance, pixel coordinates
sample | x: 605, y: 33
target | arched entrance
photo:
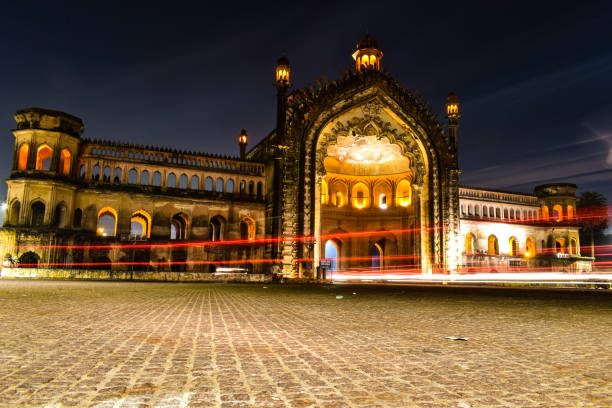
x: 331, y: 254
x: 369, y: 180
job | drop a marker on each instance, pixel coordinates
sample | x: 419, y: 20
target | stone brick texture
x: 122, y: 344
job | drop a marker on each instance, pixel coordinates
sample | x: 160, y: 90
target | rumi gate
x: 357, y: 175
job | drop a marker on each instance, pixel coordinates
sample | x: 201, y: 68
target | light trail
x: 238, y: 242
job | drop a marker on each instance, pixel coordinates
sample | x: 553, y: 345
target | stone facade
x: 357, y: 166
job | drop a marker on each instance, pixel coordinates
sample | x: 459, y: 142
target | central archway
x: 371, y: 175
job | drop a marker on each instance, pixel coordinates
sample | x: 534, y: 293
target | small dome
x: 367, y: 42
x: 283, y: 61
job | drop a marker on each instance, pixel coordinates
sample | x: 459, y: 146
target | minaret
x: 453, y: 116
x: 242, y: 142
x: 368, y: 55
x: 282, y: 84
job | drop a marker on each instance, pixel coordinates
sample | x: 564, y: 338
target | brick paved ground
x: 113, y: 344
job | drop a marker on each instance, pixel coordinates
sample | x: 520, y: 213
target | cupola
x: 367, y: 55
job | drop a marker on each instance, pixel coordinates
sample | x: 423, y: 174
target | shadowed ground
x: 163, y: 344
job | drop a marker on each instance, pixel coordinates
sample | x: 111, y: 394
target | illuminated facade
x: 357, y: 173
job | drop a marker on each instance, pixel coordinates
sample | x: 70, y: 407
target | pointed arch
x: 22, y: 156
x: 404, y: 193
x: 331, y: 252
x: 37, y: 213
x: 545, y: 213
x: 14, y: 212
x: 513, y: 247
x: 530, y: 248
x: 179, y: 226
x: 493, y: 245
x: 140, y: 224
x: 247, y: 229
x: 557, y: 213
x: 469, y: 243
x: 61, y: 215
x: 361, y: 195
x: 382, y: 194
x: 65, y: 162
x: 43, y: 157
x: 216, y: 228
x: 107, y: 222
x: 376, y: 253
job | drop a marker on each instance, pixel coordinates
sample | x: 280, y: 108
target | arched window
x: 497, y: 212
x: 242, y: 187
x: 132, y: 176
x: 558, y: 213
x: 82, y: 172
x: 106, y: 174
x: 144, y: 178
x: 512, y: 213
x: 477, y: 210
x: 247, y: 229
x: 259, y: 189
x: 361, y: 196
x: 573, y: 246
x: 195, y: 183
x: 506, y: 213
x: 183, y: 181
x: 43, y: 157
x: 570, y: 212
x: 339, y: 199
x: 560, y: 246
x: 229, y: 186
x: 485, y: 212
x: 157, y: 179
x: 178, y: 226
x: 382, y: 201
x: 469, y: 244
x: 117, y: 176
x: 530, y: 249
x: 219, y: 187
x: 251, y: 188
x: 95, y: 173
x: 171, y: 180
x: 61, y: 214
x: 332, y: 250
x: 22, y: 160
x: 216, y: 228
x: 37, y: 213
x: 107, y: 222
x: 78, y: 218
x: 208, y: 184
x: 64, y: 166
x: 544, y: 213
x: 470, y: 210
x: 140, y: 224
x: 404, y: 193
x: 513, y: 247
x: 493, y: 245
x: 14, y: 212
x: 377, y: 256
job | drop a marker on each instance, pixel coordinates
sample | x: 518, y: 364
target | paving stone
x: 111, y: 344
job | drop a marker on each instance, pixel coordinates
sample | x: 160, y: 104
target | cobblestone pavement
x: 111, y: 344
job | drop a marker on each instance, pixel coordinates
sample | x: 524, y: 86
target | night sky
x: 534, y: 78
